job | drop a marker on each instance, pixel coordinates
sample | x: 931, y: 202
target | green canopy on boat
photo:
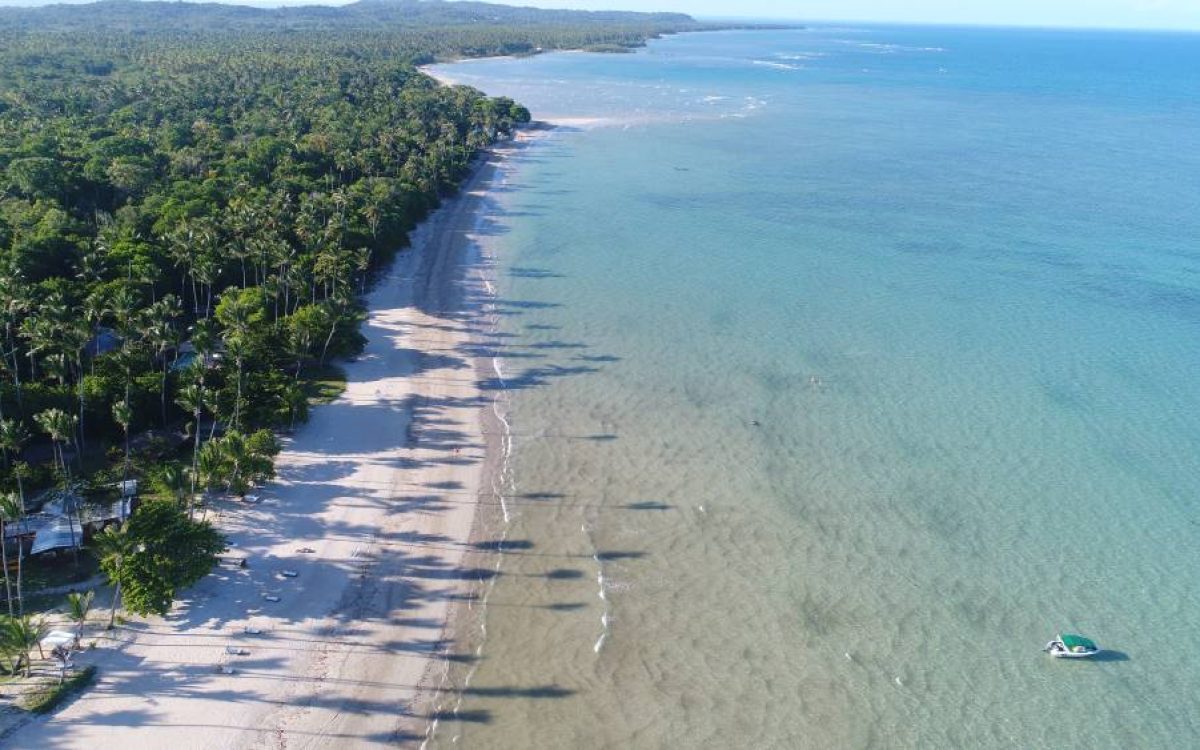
x: 1074, y: 641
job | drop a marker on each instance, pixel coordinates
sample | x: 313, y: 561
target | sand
x: 383, y: 486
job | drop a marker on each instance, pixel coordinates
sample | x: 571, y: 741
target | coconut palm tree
x: 59, y: 426
x: 211, y: 467
x: 162, y: 335
x: 237, y: 313
x: 114, y: 546
x: 12, y: 510
x: 79, y: 605
x: 5, y: 520
x: 12, y: 437
x: 297, y: 403
x: 75, y: 335
x: 20, y: 635
x: 123, y: 415
x: 176, y: 481
x: 192, y: 399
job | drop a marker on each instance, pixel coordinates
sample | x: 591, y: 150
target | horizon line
x: 281, y: 4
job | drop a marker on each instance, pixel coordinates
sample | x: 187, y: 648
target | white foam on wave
x: 601, y: 592
x: 886, y: 49
x: 775, y: 65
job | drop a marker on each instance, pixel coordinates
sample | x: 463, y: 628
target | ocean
x: 845, y: 367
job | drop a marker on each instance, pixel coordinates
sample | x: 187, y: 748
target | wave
x: 886, y: 49
x: 777, y: 65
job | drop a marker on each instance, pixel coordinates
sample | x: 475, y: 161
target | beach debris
x: 270, y: 597
x: 237, y: 651
x: 251, y: 630
x: 288, y: 573
x: 237, y: 561
x: 226, y: 669
x: 305, y: 550
x: 252, y: 499
x: 754, y: 423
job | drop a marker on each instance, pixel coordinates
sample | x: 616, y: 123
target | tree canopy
x: 193, y: 196
x: 165, y: 551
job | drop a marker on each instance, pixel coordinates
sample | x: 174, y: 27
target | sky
x: 1133, y: 14
x: 1142, y: 14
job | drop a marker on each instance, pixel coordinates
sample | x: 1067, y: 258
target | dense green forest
x: 192, y: 201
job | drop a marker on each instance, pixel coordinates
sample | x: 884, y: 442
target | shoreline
x: 541, y: 123
x: 389, y: 486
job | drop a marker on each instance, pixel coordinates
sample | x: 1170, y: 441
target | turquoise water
x: 844, y: 368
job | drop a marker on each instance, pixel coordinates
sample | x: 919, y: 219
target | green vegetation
x: 155, y: 554
x: 193, y: 199
x: 19, y: 636
x: 47, y: 698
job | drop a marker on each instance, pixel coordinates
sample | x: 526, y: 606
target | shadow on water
x: 613, y: 555
x: 480, y: 716
x: 1110, y: 655
x: 563, y: 574
x: 534, y: 273
x: 503, y: 545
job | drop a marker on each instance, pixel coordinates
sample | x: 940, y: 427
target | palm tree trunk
x: 79, y: 370
x: 71, y: 526
x: 4, y: 558
x: 163, y: 390
x: 237, y: 404
x: 125, y: 478
x: 329, y: 339
x: 116, y: 602
x: 20, y: 571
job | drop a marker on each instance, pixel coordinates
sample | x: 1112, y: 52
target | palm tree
x: 236, y: 313
x: 114, y: 547
x: 12, y: 510
x: 192, y: 398
x: 12, y: 436
x: 78, y: 607
x: 162, y: 335
x: 5, y: 519
x: 58, y: 425
x: 14, y: 301
x: 233, y: 447
x: 297, y: 402
x: 20, y: 635
x: 211, y: 467
x: 75, y: 337
x: 123, y: 415
x: 176, y: 481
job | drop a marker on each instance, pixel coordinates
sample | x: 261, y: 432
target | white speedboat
x: 1068, y: 646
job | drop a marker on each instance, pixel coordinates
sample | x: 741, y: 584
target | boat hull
x: 1059, y: 651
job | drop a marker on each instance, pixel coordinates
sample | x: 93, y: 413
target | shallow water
x: 844, y: 368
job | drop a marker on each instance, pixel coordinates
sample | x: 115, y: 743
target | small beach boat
x: 1068, y: 646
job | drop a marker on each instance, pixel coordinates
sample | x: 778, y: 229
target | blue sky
x: 1154, y: 14
x: 1134, y: 14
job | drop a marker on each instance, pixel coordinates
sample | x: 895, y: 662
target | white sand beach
x: 383, y: 487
